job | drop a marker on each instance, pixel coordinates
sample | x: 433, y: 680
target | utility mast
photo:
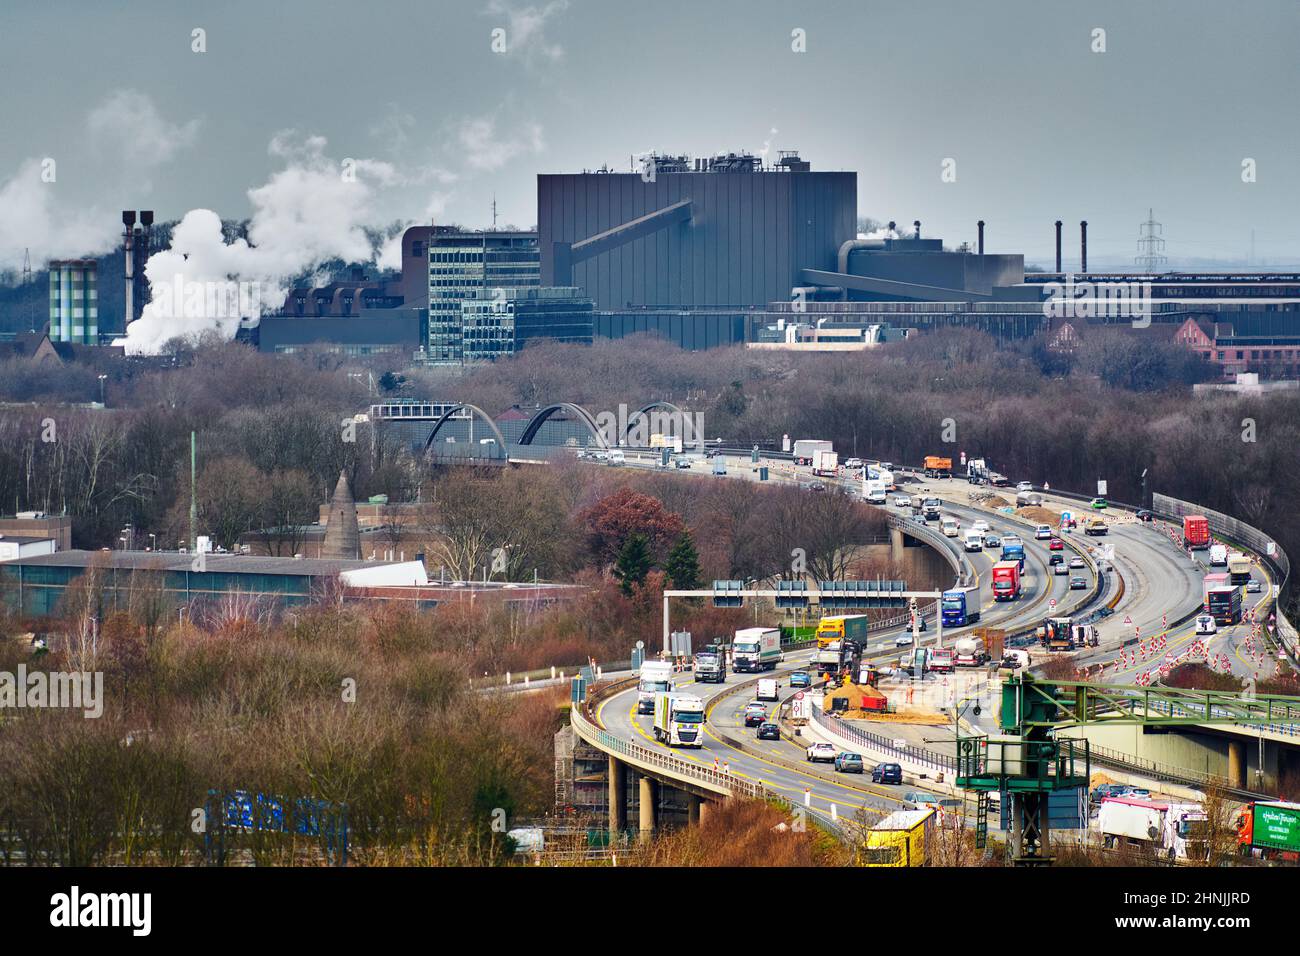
x: 1150, y: 245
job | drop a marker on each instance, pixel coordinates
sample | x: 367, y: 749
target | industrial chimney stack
x: 917, y: 224
x: 981, y: 228
x: 137, y: 246
x: 1083, y: 246
x: 1058, y: 247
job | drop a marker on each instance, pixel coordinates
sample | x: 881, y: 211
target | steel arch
x: 473, y: 409
x: 627, y: 426
x: 538, y: 420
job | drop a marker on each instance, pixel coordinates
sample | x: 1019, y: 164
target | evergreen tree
x: 683, y: 565
x: 633, y: 562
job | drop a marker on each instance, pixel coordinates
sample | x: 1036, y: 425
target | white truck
x: 655, y: 677
x: 756, y: 649
x: 766, y: 689
x: 973, y: 541
x: 804, y: 448
x: 679, y: 720
x: 825, y: 464
x: 950, y: 527
x: 874, y: 491
x: 970, y: 652
x: 1176, y: 831
x: 1218, y: 555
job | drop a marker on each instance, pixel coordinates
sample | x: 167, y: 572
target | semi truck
x: 941, y: 660
x: 959, y: 607
x: 825, y: 463
x: 838, y: 657
x: 1269, y: 830
x: 756, y: 649
x: 1013, y: 549
x: 1223, y: 603
x: 1176, y: 831
x: 970, y: 652
x: 930, y: 508
x: 655, y: 677
x: 1238, y: 569
x: 711, y: 666
x: 679, y: 720
x: 874, y: 491
x: 1196, y: 531
x: 937, y: 467
x: 841, y: 627
x: 1006, y: 580
x: 805, y: 447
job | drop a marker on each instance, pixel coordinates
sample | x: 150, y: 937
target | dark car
x: 1056, y: 559
x: 754, y: 716
x: 1109, y: 790
x: 1144, y: 515
x: 768, y: 731
x: 800, y: 679
x: 848, y: 763
x: 1078, y: 584
x: 887, y: 773
x: 816, y: 486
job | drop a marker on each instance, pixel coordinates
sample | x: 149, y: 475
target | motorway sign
x: 1052, y: 604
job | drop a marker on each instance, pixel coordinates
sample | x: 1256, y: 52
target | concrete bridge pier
x: 1237, y: 764
x: 617, y: 798
x: 896, y: 545
x: 704, y: 812
x: 693, y: 804
x: 649, y: 799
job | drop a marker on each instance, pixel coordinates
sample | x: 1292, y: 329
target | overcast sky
x: 1039, y: 125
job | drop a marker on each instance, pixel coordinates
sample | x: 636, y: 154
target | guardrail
x: 913, y: 754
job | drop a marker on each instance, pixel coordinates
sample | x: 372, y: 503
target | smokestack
x: 128, y: 259
x: 1058, y: 247
x: 917, y: 224
x: 893, y: 226
x: 1083, y: 246
x: 981, y: 227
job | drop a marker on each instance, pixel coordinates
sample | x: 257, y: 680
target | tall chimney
x: 1083, y: 246
x: 1058, y: 247
x: 981, y: 227
x: 128, y: 258
x: 917, y: 224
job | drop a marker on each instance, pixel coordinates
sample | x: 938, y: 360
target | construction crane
x: 1031, y: 761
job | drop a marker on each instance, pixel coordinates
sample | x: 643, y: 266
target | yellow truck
x: 900, y: 839
x: 1095, y: 526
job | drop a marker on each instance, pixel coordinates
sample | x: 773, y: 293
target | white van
x: 1218, y: 555
x: 766, y: 689
x: 950, y: 527
x: 974, y: 541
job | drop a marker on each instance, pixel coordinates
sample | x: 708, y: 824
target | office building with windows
x: 465, y: 265
x: 502, y: 321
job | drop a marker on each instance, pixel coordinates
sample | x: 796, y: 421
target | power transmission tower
x: 1150, y: 245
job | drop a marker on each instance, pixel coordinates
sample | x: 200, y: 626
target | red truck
x: 1196, y: 531
x: 1006, y: 581
x: 941, y: 660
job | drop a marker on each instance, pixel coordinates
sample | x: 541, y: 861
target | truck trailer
x: 843, y: 627
x: 756, y: 649
x: 970, y: 652
x: 805, y: 447
x: 1269, y: 830
x: 1196, y: 531
x: 825, y: 464
x: 711, y: 666
x: 655, y: 677
x: 959, y: 607
x: 1176, y: 831
x: 937, y: 467
x: 1006, y: 580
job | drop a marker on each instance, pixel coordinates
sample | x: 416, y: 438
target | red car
x: 1056, y: 544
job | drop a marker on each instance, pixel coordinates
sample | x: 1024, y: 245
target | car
x: 1078, y: 584
x: 755, y: 714
x: 920, y: 624
x: 1110, y: 790
x: 848, y: 763
x: 1043, y: 532
x: 902, y: 501
x: 1144, y: 515
x: 816, y: 486
x: 1060, y: 569
x: 1098, y: 504
x: 683, y: 463
x: 1055, y: 559
x: 801, y: 679
x: 1138, y: 793
x: 903, y: 640
x: 852, y: 462
x: 981, y: 526
x: 1205, y: 625
x: 992, y: 541
x: 1253, y: 586
x: 769, y: 731
x: 887, y: 773
x: 1055, y: 544
x: 1076, y: 562
x: 821, y: 753
x: 1024, y: 486
x: 919, y: 519
x: 920, y: 800
x: 1010, y: 663
x: 713, y: 453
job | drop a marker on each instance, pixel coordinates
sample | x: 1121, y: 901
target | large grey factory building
x: 722, y: 232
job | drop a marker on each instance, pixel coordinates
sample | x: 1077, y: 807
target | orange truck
x: 936, y: 467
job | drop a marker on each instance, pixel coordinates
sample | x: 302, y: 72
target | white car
x: 981, y: 526
x: 903, y: 640
x: 1024, y: 486
x: 902, y: 501
x: 853, y: 463
x: 1043, y: 532
x: 1205, y: 625
x: 822, y: 752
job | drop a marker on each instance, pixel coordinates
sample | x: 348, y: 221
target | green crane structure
x: 1032, y: 760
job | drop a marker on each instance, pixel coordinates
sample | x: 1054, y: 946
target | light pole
x: 101, y: 388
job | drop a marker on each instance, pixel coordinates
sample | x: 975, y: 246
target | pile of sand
x: 1040, y: 515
